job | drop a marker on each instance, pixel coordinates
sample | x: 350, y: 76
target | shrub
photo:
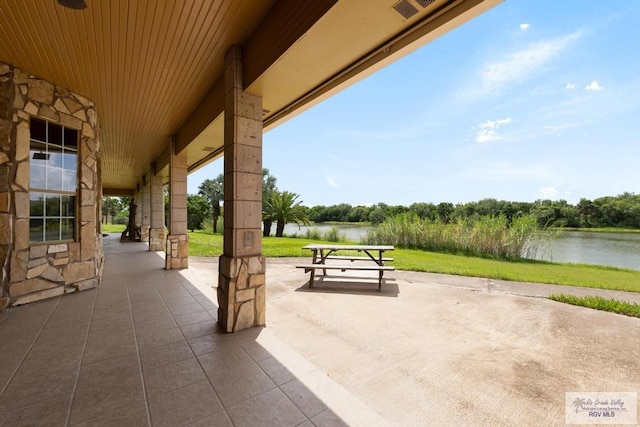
x: 313, y: 234
x: 487, y: 235
x: 333, y: 235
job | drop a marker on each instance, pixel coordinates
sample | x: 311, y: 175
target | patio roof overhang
x: 154, y: 67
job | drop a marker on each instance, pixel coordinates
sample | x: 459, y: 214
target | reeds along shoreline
x: 495, y: 236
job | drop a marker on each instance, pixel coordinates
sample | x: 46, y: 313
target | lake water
x: 614, y: 249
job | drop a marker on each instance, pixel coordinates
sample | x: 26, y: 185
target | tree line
x: 622, y: 211
x: 279, y: 207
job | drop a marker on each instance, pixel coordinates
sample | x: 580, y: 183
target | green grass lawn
x: 113, y: 228
x: 598, y: 303
x: 202, y: 243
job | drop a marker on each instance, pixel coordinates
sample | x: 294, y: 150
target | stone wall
x: 145, y: 207
x: 241, y: 293
x: 32, y: 272
x: 157, y: 233
x: 177, y: 255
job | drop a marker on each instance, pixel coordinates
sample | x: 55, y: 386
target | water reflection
x: 613, y: 249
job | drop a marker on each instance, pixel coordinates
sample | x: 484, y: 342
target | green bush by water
x: 333, y: 235
x: 489, y: 235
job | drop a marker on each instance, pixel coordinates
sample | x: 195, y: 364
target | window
x: 53, y: 185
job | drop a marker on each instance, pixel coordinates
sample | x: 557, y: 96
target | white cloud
x: 594, y: 85
x: 518, y: 65
x: 571, y: 86
x: 524, y: 27
x: 488, y: 131
x: 332, y: 183
x: 547, y: 193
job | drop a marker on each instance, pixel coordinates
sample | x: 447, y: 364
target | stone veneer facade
x: 177, y: 255
x: 241, y: 292
x: 241, y: 278
x: 157, y: 233
x: 32, y: 272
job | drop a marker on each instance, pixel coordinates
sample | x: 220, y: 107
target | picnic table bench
x: 323, y: 253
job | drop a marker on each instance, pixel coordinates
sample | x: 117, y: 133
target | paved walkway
x: 144, y: 349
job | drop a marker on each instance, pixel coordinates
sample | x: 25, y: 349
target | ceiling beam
x: 211, y: 106
x: 118, y: 192
x: 287, y: 21
x: 285, y: 24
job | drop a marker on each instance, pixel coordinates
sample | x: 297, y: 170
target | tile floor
x: 144, y: 349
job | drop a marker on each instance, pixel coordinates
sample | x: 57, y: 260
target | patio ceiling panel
x: 146, y: 63
x: 288, y: 21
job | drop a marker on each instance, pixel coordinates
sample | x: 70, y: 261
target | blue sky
x: 531, y: 100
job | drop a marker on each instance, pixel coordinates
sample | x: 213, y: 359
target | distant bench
x: 323, y: 253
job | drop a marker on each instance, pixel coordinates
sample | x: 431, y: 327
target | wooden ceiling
x: 153, y: 67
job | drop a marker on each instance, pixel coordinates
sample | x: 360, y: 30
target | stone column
x: 7, y: 169
x: 137, y: 199
x: 145, y: 208
x: 241, y: 284
x: 156, y: 232
x: 177, y: 243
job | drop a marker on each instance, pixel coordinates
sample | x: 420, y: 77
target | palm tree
x: 268, y: 188
x: 283, y: 208
x: 213, y: 191
x: 110, y: 208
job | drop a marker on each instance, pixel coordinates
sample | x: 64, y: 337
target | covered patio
x: 102, y: 98
x: 145, y: 348
x: 127, y: 98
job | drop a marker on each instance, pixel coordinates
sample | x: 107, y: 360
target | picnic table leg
x: 313, y: 271
x: 322, y: 260
x: 378, y: 260
x: 381, y: 263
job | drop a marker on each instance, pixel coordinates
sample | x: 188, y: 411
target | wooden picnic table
x: 323, y: 253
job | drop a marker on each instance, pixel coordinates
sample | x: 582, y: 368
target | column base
x: 156, y: 239
x: 144, y: 233
x: 241, y: 292
x: 177, y: 252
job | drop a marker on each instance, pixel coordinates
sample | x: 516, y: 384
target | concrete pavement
x: 434, y: 349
